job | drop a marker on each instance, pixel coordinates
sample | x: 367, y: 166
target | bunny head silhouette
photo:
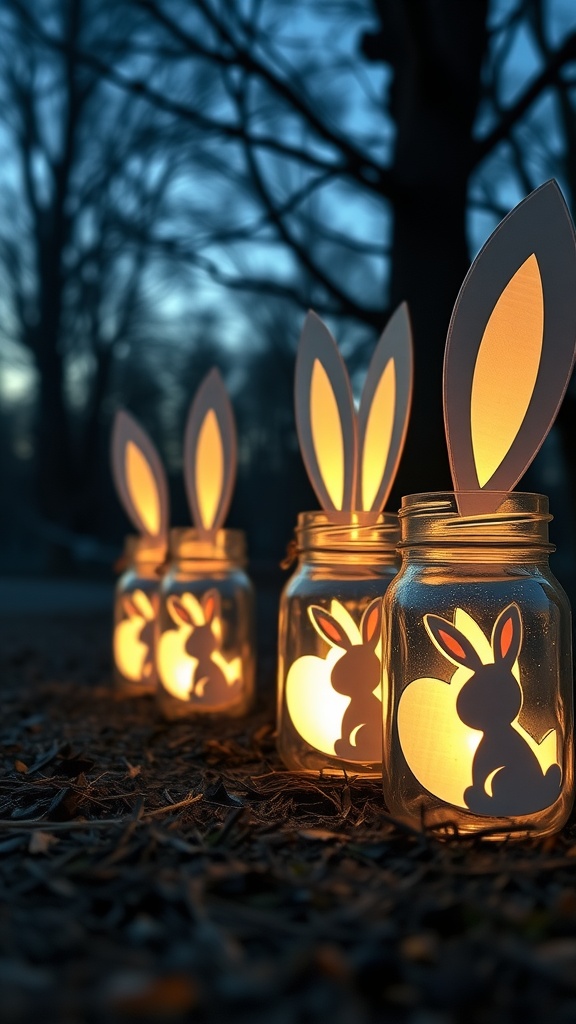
x: 492, y: 697
x: 507, y: 778
x: 356, y: 674
x: 352, y: 458
x: 203, y: 639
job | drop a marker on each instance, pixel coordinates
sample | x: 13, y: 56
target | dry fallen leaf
x: 40, y: 842
x: 21, y: 767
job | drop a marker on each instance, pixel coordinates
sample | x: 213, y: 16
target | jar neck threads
x: 431, y: 527
x: 193, y: 546
x: 145, y: 554
x: 363, y: 537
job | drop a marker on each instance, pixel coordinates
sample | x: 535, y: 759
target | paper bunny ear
x: 210, y: 454
x: 325, y: 416
x: 510, y: 349
x: 384, y: 412
x: 139, y: 477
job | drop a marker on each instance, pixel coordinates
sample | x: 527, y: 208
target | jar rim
x: 329, y: 530
x: 190, y: 544
x: 433, y: 518
x: 141, y: 548
x: 510, y: 503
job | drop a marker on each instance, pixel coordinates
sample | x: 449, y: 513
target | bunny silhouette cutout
x: 357, y: 674
x: 134, y: 637
x: 507, y: 779
x: 208, y: 684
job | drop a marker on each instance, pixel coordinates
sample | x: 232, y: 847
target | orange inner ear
x: 182, y: 613
x: 452, y: 644
x: 372, y: 622
x: 506, y: 636
x: 329, y: 628
x: 209, y: 608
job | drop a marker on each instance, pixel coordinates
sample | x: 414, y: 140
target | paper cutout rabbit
x: 142, y: 487
x: 208, y: 684
x: 356, y: 675
x: 507, y: 779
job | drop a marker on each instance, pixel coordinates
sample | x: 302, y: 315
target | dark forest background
x: 181, y: 179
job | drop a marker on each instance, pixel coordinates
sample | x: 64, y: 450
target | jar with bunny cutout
x: 205, y: 646
x: 206, y: 661
x: 329, y: 715
x: 477, y: 634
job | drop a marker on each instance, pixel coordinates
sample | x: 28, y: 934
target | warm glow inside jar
x: 479, y: 725
x: 205, y: 646
x: 329, y: 658
x: 135, y: 610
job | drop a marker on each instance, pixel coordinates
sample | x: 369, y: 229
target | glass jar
x: 329, y: 657
x: 479, y: 721
x: 135, y: 610
x: 205, y: 646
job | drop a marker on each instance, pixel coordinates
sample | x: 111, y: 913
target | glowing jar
x: 135, y: 610
x: 205, y: 646
x: 330, y: 654
x: 479, y: 725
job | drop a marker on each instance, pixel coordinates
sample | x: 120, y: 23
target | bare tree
x: 85, y: 183
x: 342, y: 151
x: 344, y: 138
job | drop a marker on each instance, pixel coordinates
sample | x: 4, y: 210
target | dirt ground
x: 155, y: 872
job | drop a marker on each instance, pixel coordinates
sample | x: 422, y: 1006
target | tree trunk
x: 436, y: 49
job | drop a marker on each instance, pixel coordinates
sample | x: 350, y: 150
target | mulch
x: 176, y: 872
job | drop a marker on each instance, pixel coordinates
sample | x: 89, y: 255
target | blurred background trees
x: 182, y: 180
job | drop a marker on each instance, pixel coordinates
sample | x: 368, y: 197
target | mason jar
x: 205, y: 638
x: 477, y: 632
x: 135, y: 611
x: 329, y: 649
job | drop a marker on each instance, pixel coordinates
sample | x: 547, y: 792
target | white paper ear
x: 510, y: 349
x: 139, y: 477
x: 384, y: 412
x: 325, y: 416
x: 210, y: 454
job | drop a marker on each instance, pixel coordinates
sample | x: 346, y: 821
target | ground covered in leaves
x: 154, y: 872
